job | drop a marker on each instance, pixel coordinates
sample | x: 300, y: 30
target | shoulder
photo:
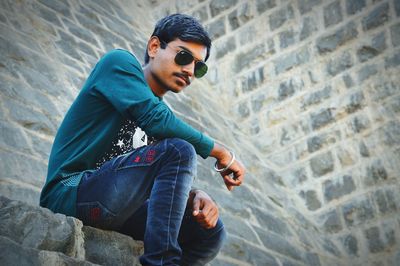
x: 120, y: 57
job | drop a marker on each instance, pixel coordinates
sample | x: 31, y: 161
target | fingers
x: 205, y: 210
x: 196, y: 206
x: 234, y: 175
x: 208, y: 219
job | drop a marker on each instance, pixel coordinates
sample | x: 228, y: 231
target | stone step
x: 32, y: 235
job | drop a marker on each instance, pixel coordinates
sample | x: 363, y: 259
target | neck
x: 154, y: 85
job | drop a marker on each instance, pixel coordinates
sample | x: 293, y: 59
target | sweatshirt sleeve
x: 118, y: 76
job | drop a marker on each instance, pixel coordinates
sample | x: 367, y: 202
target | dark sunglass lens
x: 183, y: 58
x: 200, y: 69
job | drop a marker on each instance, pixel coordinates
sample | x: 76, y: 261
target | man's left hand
x: 205, y: 210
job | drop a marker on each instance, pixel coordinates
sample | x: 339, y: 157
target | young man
x: 98, y: 173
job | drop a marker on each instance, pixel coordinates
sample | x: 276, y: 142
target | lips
x: 184, y: 78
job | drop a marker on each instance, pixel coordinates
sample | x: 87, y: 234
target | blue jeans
x: 144, y: 194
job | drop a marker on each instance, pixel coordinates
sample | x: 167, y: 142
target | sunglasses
x: 184, y: 58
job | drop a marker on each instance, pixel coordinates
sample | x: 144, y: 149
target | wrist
x: 220, y: 153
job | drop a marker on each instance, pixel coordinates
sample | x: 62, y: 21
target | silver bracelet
x: 226, y: 167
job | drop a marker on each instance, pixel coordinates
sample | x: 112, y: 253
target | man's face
x: 168, y: 75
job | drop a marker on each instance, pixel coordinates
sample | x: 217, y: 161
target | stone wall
x: 305, y: 91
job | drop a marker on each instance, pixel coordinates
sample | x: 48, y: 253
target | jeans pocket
x: 95, y: 214
x: 144, y: 156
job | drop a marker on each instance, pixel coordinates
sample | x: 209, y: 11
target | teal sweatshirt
x: 115, y: 91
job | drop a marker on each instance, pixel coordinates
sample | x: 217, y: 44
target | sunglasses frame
x: 200, y: 67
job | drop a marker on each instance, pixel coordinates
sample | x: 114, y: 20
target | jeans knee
x: 219, y: 235
x: 183, y: 149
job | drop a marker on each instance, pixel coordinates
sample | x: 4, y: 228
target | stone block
x: 322, y: 164
x: 364, y: 152
x: 286, y: 38
x: 311, y: 199
x: 395, y: 33
x: 308, y: 27
x: 240, y: 249
x: 306, y: 5
x: 240, y: 229
x: 355, y: 103
x: 264, y: 5
x: 291, y: 132
x: 218, y: 6
x: 291, y: 60
x: 331, y: 42
x: 39, y: 228
x: 13, y: 253
x: 270, y: 222
x: 68, y: 45
x: 376, y: 18
x: 58, y: 6
x: 391, y: 133
x: 397, y: 7
x: 201, y: 14
x: 333, y: 14
x: 257, y: 102
x: 321, y: 118
x: 80, y: 32
x: 216, y: 29
x: 252, y: 80
x: 386, y: 201
x: 316, y: 97
x: 240, y: 16
x: 346, y: 156
x: 392, y: 61
x: 331, y: 222
x: 354, y: 6
x: 279, y: 17
x: 375, y: 243
x: 339, y: 64
x: 15, y: 190
x: 103, y: 8
x: 360, y: 123
x: 47, y: 14
x: 330, y: 247
x: 279, y: 244
x: 383, y: 90
x: 318, y: 142
x: 378, y: 45
x: 358, y: 212
x: 29, y: 118
x: 13, y: 138
x: 297, y: 176
x: 245, y: 59
x: 366, y: 72
x: 23, y: 168
x: 243, y: 110
x: 111, y: 248
x: 225, y: 46
x: 339, y: 188
x: 350, y: 244
x: 3, y: 19
x: 348, y: 81
x: 312, y: 259
x: 375, y: 173
x: 289, y: 87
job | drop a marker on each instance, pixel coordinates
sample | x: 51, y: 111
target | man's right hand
x: 234, y: 175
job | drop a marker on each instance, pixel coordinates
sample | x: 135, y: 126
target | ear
x: 152, y: 46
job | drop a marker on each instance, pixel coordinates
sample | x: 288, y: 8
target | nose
x: 189, y: 69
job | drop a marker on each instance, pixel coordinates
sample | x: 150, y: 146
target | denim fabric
x: 144, y: 194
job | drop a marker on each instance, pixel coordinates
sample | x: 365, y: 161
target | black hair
x: 183, y: 27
